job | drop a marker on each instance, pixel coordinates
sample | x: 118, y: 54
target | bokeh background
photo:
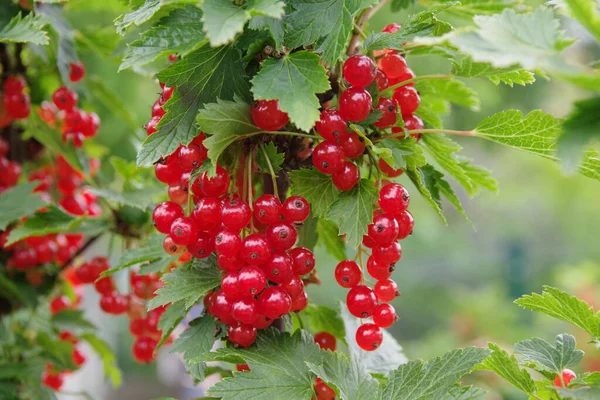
x: 457, y: 281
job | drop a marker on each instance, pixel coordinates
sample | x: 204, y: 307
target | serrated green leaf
x: 587, y: 379
x: 204, y: 76
x: 350, y: 377
x: 109, y: 360
x: 418, y: 179
x: 150, y: 250
x: 224, y: 20
x: 188, y: 283
x: 294, y: 80
x: 180, y: 32
x: 581, y: 126
x: 56, y: 351
x: 25, y: 29
x: 268, y: 155
x: 172, y: 316
x: 458, y: 392
x: 273, y: 25
x: 278, y: 368
x: 147, y: 11
x: 141, y: 198
x: 18, y: 202
x: 330, y: 239
x: 546, y: 357
x: 479, y: 176
x: 111, y: 100
x: 437, y: 186
x: 451, y: 90
x: 70, y: 319
x: 198, y: 339
x: 430, y: 110
x: 419, y: 380
x: 563, y: 306
x: 353, y: 211
x: 307, y: 233
x: 509, y: 75
x: 316, y: 188
x: 586, y: 12
x: 52, y: 220
x: 590, y: 393
x: 507, y: 367
x: 406, y: 153
x: 324, y: 319
x: 397, y: 5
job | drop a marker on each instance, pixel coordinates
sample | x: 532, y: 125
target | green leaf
x: 324, y: 319
x: 56, y: 351
x: 52, y: 220
x: 307, y: 233
x: 397, y: 5
x: 561, y: 305
x: 112, y: 100
x: 417, y: 177
x: 294, y: 80
x: 18, y: 202
x: 581, y: 126
x: 224, y: 20
x: 541, y: 355
x: 273, y: 25
x: 277, y: 368
x: 451, y: 90
x: 507, y: 367
x: 204, y: 76
x: 198, y: 339
x: 172, y: 316
x: 438, y: 186
x: 510, y: 75
x: 479, y: 176
x: 275, y: 159
x: 590, y: 393
x: 586, y: 12
x: 150, y: 250
x: 140, y: 198
x: 350, y: 377
x: 419, y: 380
x: 406, y: 153
x: 431, y: 109
x: 27, y: 29
x: 330, y: 239
x: 189, y: 282
x: 111, y: 370
x: 353, y: 211
x: 147, y: 11
x: 316, y: 188
x: 180, y: 33
x: 458, y: 392
x: 70, y: 319
x: 587, y: 379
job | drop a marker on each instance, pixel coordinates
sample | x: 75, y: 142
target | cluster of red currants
x: 11, y: 170
x: 52, y: 377
x: 391, y: 223
x: 15, y: 102
x: 157, y: 108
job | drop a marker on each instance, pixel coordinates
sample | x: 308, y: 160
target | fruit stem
x: 417, y: 78
x: 250, y: 200
x: 306, y: 135
x: 360, y: 31
x: 431, y: 131
x: 273, y: 176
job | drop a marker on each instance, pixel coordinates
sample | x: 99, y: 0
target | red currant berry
x: 323, y: 391
x: 164, y: 214
x: 191, y: 156
x: 143, y: 349
x: 76, y: 71
x: 354, y: 145
x: 172, y: 57
x: 203, y: 247
x: 229, y: 263
x: 104, y: 285
x: 384, y: 229
x: 325, y: 340
x: 184, y: 231
x: 235, y: 214
x: 393, y: 198
x: 255, y: 249
x: 369, y: 337
x: 407, y: 98
x: 262, y: 322
x: 177, y: 194
x: 406, y: 223
x: 267, y: 209
x: 167, y: 93
x: 58, y: 304
x: 379, y: 271
x: 391, y: 28
x: 17, y: 106
x: 299, y: 302
x: 386, y: 290
x: 14, y: 85
x: 274, y: 302
x: 294, y: 286
x: 382, y: 80
x: 215, y: 186
x: 412, y: 122
x: 78, y: 357
x: 171, y: 247
x: 295, y: 209
x: 346, y: 178
x: 242, y: 367
x: 387, y: 254
x: 64, y: 99
x: 220, y: 307
x: 279, y: 267
x: 359, y: 70
x: 150, y: 126
x: 355, y: 104
x: 251, y: 281
x: 54, y: 380
x: 242, y: 335
x: 384, y: 315
x: 282, y: 235
x: 11, y: 171
x: 328, y: 157
x: 388, y: 170
x: 207, y: 212
x: 168, y: 172
x: 267, y: 115
x: 114, y: 304
x: 348, y: 274
x: 304, y: 260
x: 67, y: 336
x: 228, y: 243
x: 332, y: 126
x: 361, y: 301
x: 567, y: 377
x: 137, y: 327
x: 393, y: 65
x: 388, y: 110
x: 245, y: 310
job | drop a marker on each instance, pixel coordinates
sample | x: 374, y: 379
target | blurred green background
x: 457, y: 281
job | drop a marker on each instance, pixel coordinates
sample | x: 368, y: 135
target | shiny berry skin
x: 104, y: 285
x: 184, y: 231
x: 567, y: 376
x: 76, y: 71
x: 191, y: 156
x: 64, y: 99
x: 355, y: 104
x: 384, y: 229
x: 361, y: 301
x: 282, y: 235
x: 332, y: 126
x: 325, y: 340
x: 408, y: 74
x: 171, y: 247
x: 168, y: 172
x: 299, y: 302
x: 14, y: 85
x: 323, y: 391
x: 328, y: 157
x: 412, y: 122
x: 379, y: 271
x: 242, y: 335
x: 407, y: 98
x: 406, y: 223
x: 167, y: 93
x: 235, y: 214
x: 17, y: 106
x: 354, y: 145
x: 262, y: 322
x: 346, y: 178
x: 172, y: 57
x: 242, y: 367
x: 54, y: 380
x: 255, y: 249
x: 207, y: 212
x: 143, y: 349
x: 58, y: 304
x: 388, y: 109
x: 229, y: 263
x: 304, y: 260
x: 228, y: 243
x: 78, y: 357
x: 278, y: 268
x: 11, y: 171
x: 294, y: 286
x: 150, y: 126
x: 369, y: 337
x: 391, y: 28
x: 203, y: 247
x: 220, y: 306
x: 177, y: 194
x: 386, y: 290
x: 274, y: 302
x: 348, y: 274
x: 215, y: 186
x: 382, y: 80
x: 388, y: 170
x: 393, y: 65
x: 267, y: 115
x: 359, y: 70
x: 295, y: 209
x: 384, y: 315
x: 387, y: 254
x: 251, y: 281
x: 164, y: 214
x: 137, y: 326
x: 267, y: 209
x: 393, y: 198
x: 245, y: 310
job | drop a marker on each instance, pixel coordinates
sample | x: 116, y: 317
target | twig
x: 434, y: 131
x: 271, y: 170
x: 4, y: 60
x: 368, y: 13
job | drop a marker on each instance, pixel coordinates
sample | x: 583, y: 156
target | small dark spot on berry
x: 298, y: 204
x: 365, y: 314
x: 283, y: 235
x: 345, y: 279
x: 254, y: 255
x: 275, y: 271
x: 178, y: 232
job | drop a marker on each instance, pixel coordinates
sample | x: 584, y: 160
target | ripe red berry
x: 281, y: 235
x: 299, y: 302
x: 348, y: 274
x: 294, y: 286
x: 355, y: 104
x: 295, y: 209
x: 304, y: 260
x: 220, y: 307
x: 328, y: 157
x: 229, y: 285
x: 406, y: 223
x: 251, y: 281
x: 325, y: 340
x: 64, y: 99
x: 53, y: 379
x: 137, y: 326
x: 191, y: 156
x: 332, y: 126
x: 262, y: 322
x: 388, y: 170
x: 11, y: 171
x: 347, y: 177
x: 267, y: 115
x: 353, y: 145
x: 403, y: 77
x: 76, y: 71
x: 359, y: 70
x: 203, y: 247
x: 412, y: 122
x: 215, y: 186
x: 168, y: 172
x: 242, y: 367
x: 274, y: 302
x: 387, y: 254
x: 235, y: 214
x: 255, y: 249
x: 177, y: 194
x: 172, y: 57
x: 369, y: 337
x: 384, y: 315
x: 245, y: 310
x: 104, y: 285
x: 14, y: 85
x: 184, y: 231
x: 150, y: 126
x: 382, y: 80
x: 78, y: 357
x: 164, y: 214
x: 58, y: 304
x: 388, y: 109
x: 386, y: 290
x: 567, y: 377
x: 17, y: 106
x: 267, y: 209
x: 361, y: 301
x: 207, y: 212
x: 323, y: 391
x: 143, y: 349
x: 384, y: 229
x: 407, y: 98
x: 391, y: 28
x: 393, y: 65
x: 242, y: 335
x: 228, y: 243
x: 171, y: 247
x: 114, y: 304
x: 279, y: 267
x: 379, y: 271
x: 393, y: 198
